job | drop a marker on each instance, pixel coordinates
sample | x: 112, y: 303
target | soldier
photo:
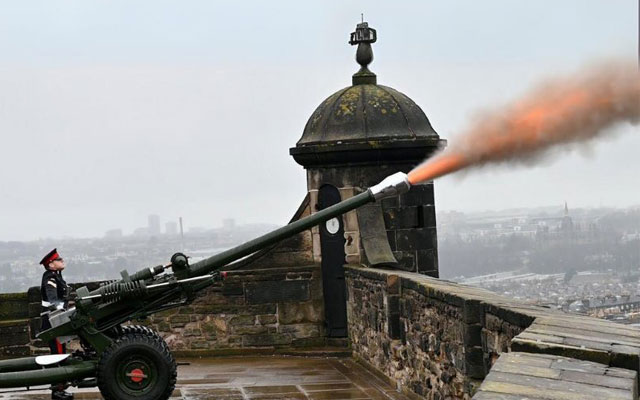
x: 55, y: 296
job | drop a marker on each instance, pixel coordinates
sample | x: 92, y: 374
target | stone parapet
x: 540, y: 376
x: 439, y: 339
x: 14, y: 325
x: 272, y: 310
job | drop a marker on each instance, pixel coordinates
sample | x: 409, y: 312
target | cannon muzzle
x: 392, y: 185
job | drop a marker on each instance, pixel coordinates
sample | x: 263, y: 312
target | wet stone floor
x: 262, y: 378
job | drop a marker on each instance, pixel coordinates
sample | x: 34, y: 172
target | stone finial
x: 363, y: 37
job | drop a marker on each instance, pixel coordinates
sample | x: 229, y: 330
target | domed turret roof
x: 365, y: 122
x: 366, y: 112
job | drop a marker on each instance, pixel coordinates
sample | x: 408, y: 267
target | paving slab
x: 542, y: 376
x: 261, y: 378
x: 584, y: 338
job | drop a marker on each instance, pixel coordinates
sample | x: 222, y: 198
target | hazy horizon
x: 111, y: 111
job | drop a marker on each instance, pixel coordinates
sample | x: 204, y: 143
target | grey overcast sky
x: 113, y: 110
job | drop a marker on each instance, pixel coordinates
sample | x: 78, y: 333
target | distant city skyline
x: 109, y: 110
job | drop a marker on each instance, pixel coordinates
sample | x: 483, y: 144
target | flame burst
x: 566, y: 111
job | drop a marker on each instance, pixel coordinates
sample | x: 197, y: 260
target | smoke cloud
x: 558, y: 112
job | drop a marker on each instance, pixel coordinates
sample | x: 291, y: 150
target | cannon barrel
x: 392, y: 185
x: 131, y: 286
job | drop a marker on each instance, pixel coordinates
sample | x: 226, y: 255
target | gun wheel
x: 137, y: 367
x: 138, y: 329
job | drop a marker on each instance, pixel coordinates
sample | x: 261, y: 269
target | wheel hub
x: 136, y: 375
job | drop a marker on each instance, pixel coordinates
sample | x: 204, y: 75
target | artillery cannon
x: 129, y: 362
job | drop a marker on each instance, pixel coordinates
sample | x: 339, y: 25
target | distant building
x: 144, y: 231
x: 567, y: 223
x: 153, y: 225
x: 171, y: 228
x: 113, y: 234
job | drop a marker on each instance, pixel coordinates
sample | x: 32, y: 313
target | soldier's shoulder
x: 48, y: 274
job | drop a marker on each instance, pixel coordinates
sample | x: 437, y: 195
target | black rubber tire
x: 140, y: 329
x: 120, y: 330
x: 150, y: 356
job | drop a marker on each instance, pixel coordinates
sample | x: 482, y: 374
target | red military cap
x: 52, y: 255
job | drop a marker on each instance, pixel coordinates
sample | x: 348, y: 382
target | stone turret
x: 355, y: 138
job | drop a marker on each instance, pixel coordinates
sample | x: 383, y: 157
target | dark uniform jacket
x: 55, y: 294
x: 54, y: 289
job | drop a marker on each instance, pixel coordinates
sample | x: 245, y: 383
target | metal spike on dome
x: 363, y: 37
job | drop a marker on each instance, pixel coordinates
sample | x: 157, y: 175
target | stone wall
x: 268, y: 309
x: 250, y: 311
x: 438, y: 340
x: 431, y: 338
x: 426, y: 343
x: 15, y: 337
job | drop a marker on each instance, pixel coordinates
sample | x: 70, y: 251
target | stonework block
x: 267, y: 319
x: 473, y: 312
x: 299, y: 331
x: 34, y: 309
x: 350, y: 220
x: 14, y: 306
x: 232, y: 289
x: 190, y: 332
x: 346, y: 191
x: 393, y: 284
x: 199, y: 345
x: 163, y: 327
x: 406, y: 260
x: 427, y: 262
x: 177, y: 321
x: 418, y: 195
x: 317, y: 249
x: 235, y: 309
x: 313, y: 200
x: 416, y: 239
x: 186, y: 310
x: 353, y: 259
x: 293, y: 313
x: 428, y: 215
x: 352, y: 243
x: 276, y: 339
x: 250, y: 330
x: 277, y: 291
x: 242, y: 320
x: 393, y: 316
x: 390, y: 202
x: 13, y: 335
x: 472, y: 335
x: 298, y: 275
x: 15, y: 351
x: 315, y: 288
x: 33, y: 295
x: 309, y: 342
x: 402, y: 218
